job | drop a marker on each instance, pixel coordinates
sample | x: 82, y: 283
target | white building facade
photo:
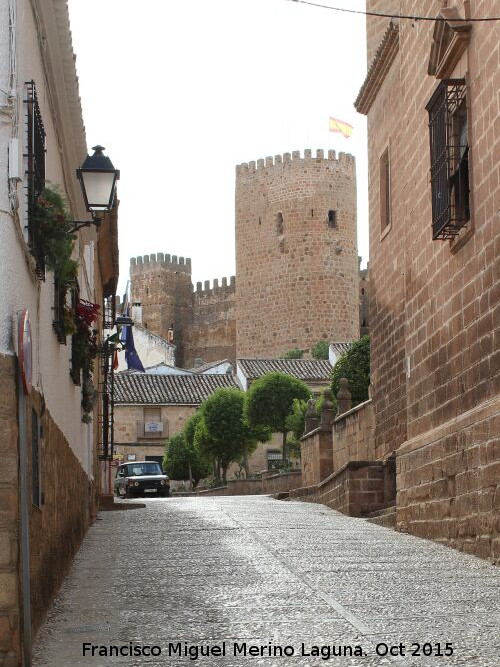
x: 51, y: 448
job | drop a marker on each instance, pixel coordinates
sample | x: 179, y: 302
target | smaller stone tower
x: 161, y: 284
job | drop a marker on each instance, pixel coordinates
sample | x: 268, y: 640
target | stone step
x: 385, y: 517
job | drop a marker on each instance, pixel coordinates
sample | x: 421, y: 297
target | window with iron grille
x: 274, y: 458
x: 59, y: 310
x: 35, y: 170
x: 332, y: 219
x: 449, y: 147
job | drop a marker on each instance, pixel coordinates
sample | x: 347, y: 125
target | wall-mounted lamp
x: 97, y: 178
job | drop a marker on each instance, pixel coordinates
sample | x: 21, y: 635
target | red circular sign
x: 25, y: 350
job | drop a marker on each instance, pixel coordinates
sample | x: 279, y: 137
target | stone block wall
x: 316, y: 456
x: 69, y: 504
x: 9, y: 516
x: 353, y: 436
x: 448, y: 483
x: 435, y: 304
x: 211, y: 333
x: 355, y: 489
x: 297, y: 272
x: 283, y: 482
x: 57, y: 526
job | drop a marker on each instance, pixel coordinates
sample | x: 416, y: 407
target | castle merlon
x: 154, y: 261
x: 343, y: 159
x: 205, y: 288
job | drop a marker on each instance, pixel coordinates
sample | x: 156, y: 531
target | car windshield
x: 138, y: 469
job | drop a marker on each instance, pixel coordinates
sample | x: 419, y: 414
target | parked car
x: 141, y: 478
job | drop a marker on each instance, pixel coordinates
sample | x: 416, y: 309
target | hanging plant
x: 84, y: 351
x: 52, y: 225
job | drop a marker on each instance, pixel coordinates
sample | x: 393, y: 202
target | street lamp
x: 97, y: 178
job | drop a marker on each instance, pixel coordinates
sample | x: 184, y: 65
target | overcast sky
x: 181, y: 92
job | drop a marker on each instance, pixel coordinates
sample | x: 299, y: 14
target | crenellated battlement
x: 344, y: 161
x: 204, y: 288
x: 153, y: 262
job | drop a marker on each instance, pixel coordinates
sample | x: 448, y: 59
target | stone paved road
x: 268, y: 573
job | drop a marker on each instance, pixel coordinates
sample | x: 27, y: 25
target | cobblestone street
x: 273, y: 574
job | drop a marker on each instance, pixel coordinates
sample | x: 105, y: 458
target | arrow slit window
x: 449, y: 148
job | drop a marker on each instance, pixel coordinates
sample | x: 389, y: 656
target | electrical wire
x: 394, y: 16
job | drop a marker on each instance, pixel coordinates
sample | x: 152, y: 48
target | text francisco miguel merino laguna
x: 195, y: 651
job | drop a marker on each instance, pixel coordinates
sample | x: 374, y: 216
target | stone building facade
x: 434, y: 264
x: 48, y: 450
x: 296, y: 254
x: 297, y: 271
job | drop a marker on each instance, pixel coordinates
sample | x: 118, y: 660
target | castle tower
x: 161, y: 284
x: 297, y: 277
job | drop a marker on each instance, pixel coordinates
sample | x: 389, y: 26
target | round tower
x: 161, y: 295
x: 296, y: 253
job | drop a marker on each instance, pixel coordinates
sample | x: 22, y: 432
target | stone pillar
x: 344, y: 399
x: 312, y: 419
x: 327, y: 409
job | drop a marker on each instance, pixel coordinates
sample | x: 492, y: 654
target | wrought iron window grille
x: 59, y: 310
x: 449, y: 151
x: 35, y: 172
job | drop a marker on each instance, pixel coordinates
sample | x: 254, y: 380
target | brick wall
x: 316, y: 456
x: 297, y: 277
x: 353, y: 436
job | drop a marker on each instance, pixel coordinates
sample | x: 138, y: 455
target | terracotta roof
x: 340, y: 348
x: 302, y: 369
x: 167, y: 389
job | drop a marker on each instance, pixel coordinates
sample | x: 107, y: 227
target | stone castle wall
x: 212, y: 331
x: 297, y: 269
x: 203, y: 319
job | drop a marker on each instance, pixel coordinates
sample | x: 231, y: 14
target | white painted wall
x: 18, y: 287
x: 152, y: 349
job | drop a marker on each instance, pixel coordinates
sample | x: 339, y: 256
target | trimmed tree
x: 270, y: 402
x: 355, y: 366
x: 219, y: 450
x: 226, y: 425
x: 183, y: 460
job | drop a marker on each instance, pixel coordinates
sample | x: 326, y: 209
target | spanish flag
x: 337, y: 125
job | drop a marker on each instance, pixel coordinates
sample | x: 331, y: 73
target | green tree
x: 221, y: 452
x: 295, y: 424
x: 270, y: 402
x: 355, y: 366
x: 183, y: 460
x: 320, y: 350
x: 226, y: 424
x: 296, y: 353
